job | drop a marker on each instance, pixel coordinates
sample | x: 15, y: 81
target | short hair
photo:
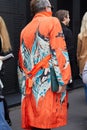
x: 61, y: 14
x: 38, y: 5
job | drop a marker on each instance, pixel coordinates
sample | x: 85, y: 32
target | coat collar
x: 43, y: 13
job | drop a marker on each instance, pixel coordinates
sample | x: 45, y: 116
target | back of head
x: 84, y: 19
x: 61, y: 14
x: 38, y: 5
x: 84, y: 25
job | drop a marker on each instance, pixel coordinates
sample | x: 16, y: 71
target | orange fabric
x: 54, y: 116
x: 55, y: 43
x: 29, y: 82
x: 48, y: 112
x: 42, y: 63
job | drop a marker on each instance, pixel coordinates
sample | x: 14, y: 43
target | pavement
x: 77, y: 112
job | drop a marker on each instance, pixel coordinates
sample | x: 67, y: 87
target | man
x: 42, y: 47
x: 63, y: 16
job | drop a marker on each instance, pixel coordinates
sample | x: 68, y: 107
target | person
x: 64, y: 17
x: 42, y: 46
x: 5, y: 47
x: 81, y: 44
x: 82, y: 48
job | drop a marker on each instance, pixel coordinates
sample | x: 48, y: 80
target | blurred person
x: 82, y: 48
x: 81, y: 44
x: 42, y: 46
x: 5, y: 48
x: 64, y: 17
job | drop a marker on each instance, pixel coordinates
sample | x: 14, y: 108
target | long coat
x: 42, y: 46
x: 81, y: 52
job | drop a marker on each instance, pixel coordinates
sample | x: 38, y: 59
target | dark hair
x: 61, y: 14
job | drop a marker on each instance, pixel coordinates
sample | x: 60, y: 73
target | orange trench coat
x: 40, y: 107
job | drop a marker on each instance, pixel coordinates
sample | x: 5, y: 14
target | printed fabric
x: 40, y: 49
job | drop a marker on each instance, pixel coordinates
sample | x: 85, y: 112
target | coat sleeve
x: 21, y: 74
x: 60, y: 58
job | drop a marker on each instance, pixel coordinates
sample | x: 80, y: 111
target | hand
x: 62, y: 89
x: 1, y: 57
